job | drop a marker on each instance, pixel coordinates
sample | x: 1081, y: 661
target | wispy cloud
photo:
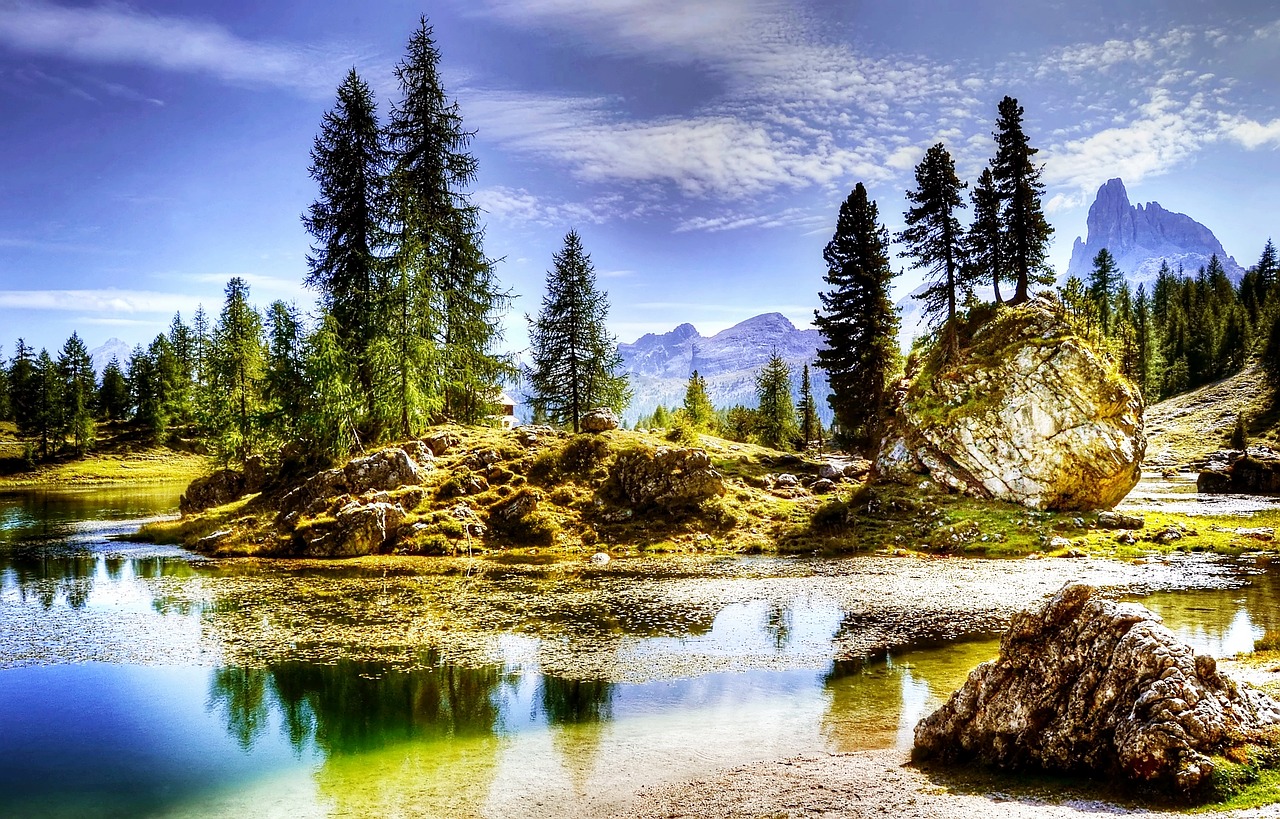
x: 790, y: 217
x: 519, y: 206
x: 94, y: 301
x: 118, y: 34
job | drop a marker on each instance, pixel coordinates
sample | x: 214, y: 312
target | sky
x: 149, y: 151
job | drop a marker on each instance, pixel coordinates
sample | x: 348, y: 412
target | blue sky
x: 150, y: 151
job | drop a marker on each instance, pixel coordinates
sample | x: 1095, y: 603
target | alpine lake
x: 141, y: 680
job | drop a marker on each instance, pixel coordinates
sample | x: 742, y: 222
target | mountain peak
x: 1141, y: 238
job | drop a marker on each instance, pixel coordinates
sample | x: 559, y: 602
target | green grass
x: 152, y: 465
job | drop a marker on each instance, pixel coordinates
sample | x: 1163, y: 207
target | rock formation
x: 1140, y: 238
x: 600, y: 419
x: 1029, y: 414
x: 667, y: 477
x: 1087, y: 685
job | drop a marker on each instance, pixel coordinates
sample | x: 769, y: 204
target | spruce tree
x: 775, y: 413
x: 810, y: 425
x: 181, y: 399
x: 22, y: 385
x: 348, y: 163
x: 113, y: 394
x: 984, y: 244
x: 697, y: 406
x: 1104, y: 283
x: 934, y: 239
x: 285, y: 392
x: 330, y: 418
x: 1017, y: 177
x: 145, y: 393
x: 46, y: 414
x: 78, y: 390
x: 437, y: 239
x: 6, y: 408
x: 575, y: 360
x: 858, y: 321
x: 1143, y: 340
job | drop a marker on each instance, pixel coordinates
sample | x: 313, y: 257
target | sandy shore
x: 863, y: 784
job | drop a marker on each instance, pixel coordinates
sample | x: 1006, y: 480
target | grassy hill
x: 1185, y: 427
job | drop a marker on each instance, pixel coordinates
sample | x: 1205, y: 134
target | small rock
x: 823, y: 486
x: 788, y: 480
x: 1118, y: 520
x: 1126, y: 538
x: 1056, y: 543
x: 600, y: 558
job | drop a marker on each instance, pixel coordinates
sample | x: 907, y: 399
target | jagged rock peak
x: 1142, y: 237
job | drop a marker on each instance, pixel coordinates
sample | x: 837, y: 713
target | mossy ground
x: 120, y: 457
x: 578, y: 512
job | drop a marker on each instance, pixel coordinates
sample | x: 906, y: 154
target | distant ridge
x: 659, y: 365
x: 1140, y: 238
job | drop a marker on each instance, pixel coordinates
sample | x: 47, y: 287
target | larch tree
x: 858, y: 321
x: 22, y: 386
x: 776, y: 425
x: 575, y: 359
x: 113, y: 393
x: 285, y: 393
x: 437, y: 241
x: 46, y: 408
x: 697, y: 404
x: 935, y: 240
x: 348, y: 163
x: 1017, y: 178
x: 237, y: 368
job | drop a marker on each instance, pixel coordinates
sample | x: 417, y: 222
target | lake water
x: 139, y: 681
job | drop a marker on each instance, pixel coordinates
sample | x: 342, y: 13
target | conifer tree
x: 697, y: 406
x: 438, y: 241
x: 22, y: 385
x: 775, y: 413
x: 145, y: 392
x: 1104, y: 282
x: 284, y: 390
x: 984, y: 245
x: 6, y: 408
x: 201, y: 398
x: 348, y: 163
x: 1143, y: 339
x: 329, y: 420
x: 575, y: 360
x: 113, y: 394
x: 182, y: 342
x: 810, y: 425
x: 1017, y: 177
x: 46, y: 420
x: 237, y: 368
x: 77, y: 390
x: 934, y: 239
x: 858, y: 321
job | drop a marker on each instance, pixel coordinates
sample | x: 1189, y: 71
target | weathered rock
x: 666, y: 477
x: 787, y: 480
x: 420, y: 453
x: 221, y: 487
x: 1088, y: 685
x: 1255, y: 472
x: 514, y: 508
x: 834, y: 469
x: 441, y: 442
x: 600, y: 419
x: 1029, y: 413
x: 1119, y: 520
x: 822, y: 486
x: 358, y: 529
x: 386, y: 469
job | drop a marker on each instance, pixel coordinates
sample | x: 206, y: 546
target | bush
x: 683, y: 432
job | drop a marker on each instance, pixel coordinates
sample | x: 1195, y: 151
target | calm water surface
x: 117, y: 698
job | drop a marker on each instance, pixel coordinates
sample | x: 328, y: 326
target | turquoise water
x: 117, y: 697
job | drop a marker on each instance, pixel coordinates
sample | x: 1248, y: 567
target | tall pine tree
x: 775, y: 413
x: 78, y: 390
x: 237, y: 364
x: 575, y: 360
x: 858, y: 321
x: 810, y: 425
x: 934, y: 239
x: 984, y: 243
x: 1104, y: 283
x: 348, y: 163
x: 1017, y: 178
x: 697, y: 405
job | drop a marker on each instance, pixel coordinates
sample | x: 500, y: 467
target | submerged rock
x: 1029, y: 413
x: 1088, y: 685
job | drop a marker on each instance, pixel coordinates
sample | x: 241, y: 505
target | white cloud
x: 519, y: 206
x: 117, y: 34
x: 1251, y: 133
x: 94, y: 301
x: 800, y: 217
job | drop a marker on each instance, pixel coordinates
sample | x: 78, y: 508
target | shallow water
x: 136, y: 680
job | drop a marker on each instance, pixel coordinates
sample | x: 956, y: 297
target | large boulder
x: 357, y: 529
x: 1088, y: 685
x: 384, y: 470
x: 600, y: 419
x: 1028, y: 413
x: 666, y: 477
x: 221, y: 487
x: 1252, y: 472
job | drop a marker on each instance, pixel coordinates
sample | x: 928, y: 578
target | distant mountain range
x: 1141, y: 238
x: 659, y: 366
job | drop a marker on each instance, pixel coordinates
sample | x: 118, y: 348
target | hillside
x: 1185, y: 427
